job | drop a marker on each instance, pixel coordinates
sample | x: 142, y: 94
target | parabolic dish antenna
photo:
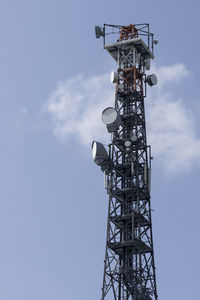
x: 94, y: 150
x: 109, y: 116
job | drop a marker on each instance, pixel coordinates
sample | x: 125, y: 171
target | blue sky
x: 54, y: 82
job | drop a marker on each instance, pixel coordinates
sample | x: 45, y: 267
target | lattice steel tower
x: 129, y: 269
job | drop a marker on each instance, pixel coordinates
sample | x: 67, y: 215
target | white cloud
x: 23, y: 113
x: 172, y: 134
x: 77, y: 103
x: 76, y: 107
x: 170, y: 74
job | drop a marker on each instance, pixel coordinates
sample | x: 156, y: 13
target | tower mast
x: 129, y: 268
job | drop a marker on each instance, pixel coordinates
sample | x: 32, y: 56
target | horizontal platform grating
x: 139, y: 220
x: 136, y: 246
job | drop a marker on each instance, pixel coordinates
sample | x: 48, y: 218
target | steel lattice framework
x: 129, y: 269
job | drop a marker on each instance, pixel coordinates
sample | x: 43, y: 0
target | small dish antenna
x: 111, y: 119
x: 152, y: 79
x: 99, y: 32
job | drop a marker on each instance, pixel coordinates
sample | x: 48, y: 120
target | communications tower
x: 129, y: 268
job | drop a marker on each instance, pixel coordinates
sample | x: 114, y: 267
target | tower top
x: 133, y: 35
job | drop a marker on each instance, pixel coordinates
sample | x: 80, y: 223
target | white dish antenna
x: 113, y: 77
x: 109, y: 115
